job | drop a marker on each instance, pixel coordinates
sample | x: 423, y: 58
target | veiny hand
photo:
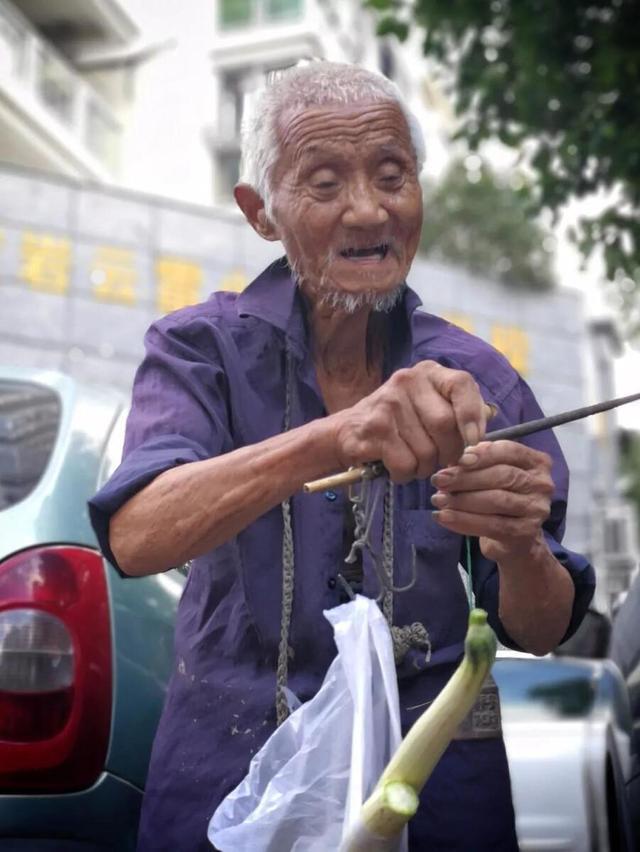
x: 500, y: 492
x: 417, y: 421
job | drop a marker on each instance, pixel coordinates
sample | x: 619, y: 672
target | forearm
x: 195, y: 507
x: 536, y: 597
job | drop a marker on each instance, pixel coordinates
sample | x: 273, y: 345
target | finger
x: 504, y: 477
x: 399, y: 459
x: 412, y: 431
x: 497, y: 527
x: 495, y: 502
x: 488, y: 453
x: 459, y: 388
x: 438, y: 419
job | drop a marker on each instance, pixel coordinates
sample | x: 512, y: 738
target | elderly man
x: 322, y: 363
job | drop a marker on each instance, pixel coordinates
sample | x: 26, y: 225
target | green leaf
x: 392, y: 26
x: 564, y: 75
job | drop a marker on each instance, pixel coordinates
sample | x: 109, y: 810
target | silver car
x: 569, y: 738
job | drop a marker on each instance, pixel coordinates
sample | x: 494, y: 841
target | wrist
x: 515, y: 554
x: 323, y: 445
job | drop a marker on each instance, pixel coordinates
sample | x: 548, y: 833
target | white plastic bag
x: 307, y: 783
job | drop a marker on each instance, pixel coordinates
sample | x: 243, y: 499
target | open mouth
x: 379, y: 251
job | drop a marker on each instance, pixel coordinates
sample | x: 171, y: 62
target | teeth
x: 380, y: 249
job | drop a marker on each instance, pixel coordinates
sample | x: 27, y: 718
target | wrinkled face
x: 347, y: 201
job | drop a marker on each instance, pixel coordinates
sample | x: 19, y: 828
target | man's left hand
x: 500, y: 492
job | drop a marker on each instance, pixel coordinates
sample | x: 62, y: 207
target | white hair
x: 311, y: 85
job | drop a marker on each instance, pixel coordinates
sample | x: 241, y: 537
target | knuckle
x: 516, y: 479
x: 402, y: 378
x: 461, y: 381
x: 378, y: 421
x: 442, y: 421
x: 427, y: 366
x: 545, y: 461
x: 512, y: 527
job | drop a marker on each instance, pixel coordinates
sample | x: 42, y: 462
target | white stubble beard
x: 350, y: 303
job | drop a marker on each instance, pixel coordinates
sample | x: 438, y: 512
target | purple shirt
x: 213, y: 380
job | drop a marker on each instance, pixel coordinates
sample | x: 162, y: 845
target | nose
x: 364, y: 208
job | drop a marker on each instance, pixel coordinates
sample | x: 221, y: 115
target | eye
x: 391, y: 176
x: 324, y: 181
x: 391, y: 181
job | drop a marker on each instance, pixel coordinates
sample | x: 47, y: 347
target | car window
x: 29, y: 421
x: 551, y: 688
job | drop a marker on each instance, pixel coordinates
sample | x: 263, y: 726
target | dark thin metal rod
x: 374, y: 469
x: 523, y: 429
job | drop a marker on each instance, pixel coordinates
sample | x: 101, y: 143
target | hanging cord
x: 365, y: 502
x: 385, y: 572
x: 470, y: 595
x: 288, y: 570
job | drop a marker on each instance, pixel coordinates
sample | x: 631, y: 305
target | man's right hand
x: 417, y: 422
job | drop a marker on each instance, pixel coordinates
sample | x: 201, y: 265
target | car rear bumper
x: 104, y: 817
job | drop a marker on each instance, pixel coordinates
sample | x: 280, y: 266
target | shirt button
x: 331, y: 496
x: 331, y: 582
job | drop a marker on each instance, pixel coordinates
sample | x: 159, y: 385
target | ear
x: 252, y: 206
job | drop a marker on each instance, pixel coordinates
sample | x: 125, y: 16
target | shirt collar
x: 273, y: 297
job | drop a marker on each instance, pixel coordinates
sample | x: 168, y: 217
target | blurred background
x: 119, y: 150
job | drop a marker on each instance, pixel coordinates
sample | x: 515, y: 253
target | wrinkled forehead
x: 308, y: 132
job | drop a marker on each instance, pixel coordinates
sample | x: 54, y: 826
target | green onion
x: 395, y: 799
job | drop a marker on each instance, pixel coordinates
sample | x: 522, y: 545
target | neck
x: 348, y: 352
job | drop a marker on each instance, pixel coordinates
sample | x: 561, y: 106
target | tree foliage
x: 474, y: 220
x: 560, y: 81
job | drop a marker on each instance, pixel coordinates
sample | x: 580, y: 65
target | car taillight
x: 55, y: 669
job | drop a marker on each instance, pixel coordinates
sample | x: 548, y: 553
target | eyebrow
x: 332, y: 152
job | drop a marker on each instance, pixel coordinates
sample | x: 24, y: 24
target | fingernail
x: 435, y: 515
x: 468, y: 459
x: 440, y: 500
x: 441, y: 477
x: 471, y: 434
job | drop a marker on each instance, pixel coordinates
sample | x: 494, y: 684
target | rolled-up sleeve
x: 178, y: 415
x: 521, y: 406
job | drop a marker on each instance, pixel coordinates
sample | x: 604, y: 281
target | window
x: 29, y: 419
x: 232, y: 93
x: 277, y: 10
x: 228, y: 172
x: 235, y: 12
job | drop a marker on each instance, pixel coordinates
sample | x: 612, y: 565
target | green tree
x: 561, y: 81
x: 474, y: 220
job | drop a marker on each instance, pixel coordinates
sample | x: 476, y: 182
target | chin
x: 350, y: 302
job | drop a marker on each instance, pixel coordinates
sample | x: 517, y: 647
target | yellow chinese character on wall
x: 113, y: 275
x: 461, y: 320
x: 514, y: 345
x: 45, y: 262
x: 179, y: 283
x: 234, y: 281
